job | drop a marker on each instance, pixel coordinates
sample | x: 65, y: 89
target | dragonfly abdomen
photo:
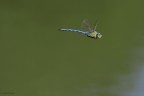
x: 73, y: 30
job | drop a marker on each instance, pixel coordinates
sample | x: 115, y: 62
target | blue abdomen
x: 73, y: 30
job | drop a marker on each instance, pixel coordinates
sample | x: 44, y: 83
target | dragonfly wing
x: 85, y: 26
x: 95, y: 26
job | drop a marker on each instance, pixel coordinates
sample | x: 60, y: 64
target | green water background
x: 39, y: 60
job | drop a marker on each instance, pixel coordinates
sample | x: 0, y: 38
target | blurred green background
x: 38, y: 60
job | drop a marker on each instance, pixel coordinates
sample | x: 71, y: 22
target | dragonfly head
x: 99, y: 35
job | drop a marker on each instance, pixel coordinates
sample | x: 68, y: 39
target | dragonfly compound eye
x: 99, y: 35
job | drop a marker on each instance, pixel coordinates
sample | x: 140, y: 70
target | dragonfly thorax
x: 94, y: 35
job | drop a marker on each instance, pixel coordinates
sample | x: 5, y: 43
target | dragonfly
x: 86, y: 29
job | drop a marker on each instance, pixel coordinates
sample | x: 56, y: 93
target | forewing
x: 94, y: 27
x: 85, y: 26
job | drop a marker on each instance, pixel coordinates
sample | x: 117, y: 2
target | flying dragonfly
x: 86, y: 30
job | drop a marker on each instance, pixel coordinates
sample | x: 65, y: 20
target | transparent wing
x: 85, y: 26
x: 95, y: 26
